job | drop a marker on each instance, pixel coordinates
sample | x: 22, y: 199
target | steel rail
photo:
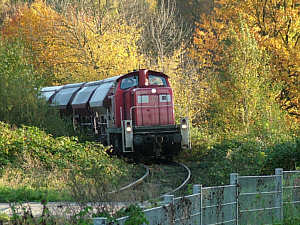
x: 184, y: 182
x: 133, y: 183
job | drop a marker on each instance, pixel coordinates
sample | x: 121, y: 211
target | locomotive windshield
x: 157, y: 80
x: 129, y: 82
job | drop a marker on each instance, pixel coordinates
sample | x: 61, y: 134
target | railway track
x: 184, y: 182
x: 138, y: 181
x: 163, y: 178
x: 157, y: 180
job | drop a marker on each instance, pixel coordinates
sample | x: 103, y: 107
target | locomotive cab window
x: 129, y: 82
x: 157, y: 80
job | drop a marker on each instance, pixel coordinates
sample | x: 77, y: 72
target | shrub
x: 284, y: 155
x: 19, y: 86
x: 213, y: 157
x: 36, y: 157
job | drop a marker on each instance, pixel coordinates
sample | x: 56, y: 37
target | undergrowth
x: 23, y: 214
x: 24, y: 194
x: 33, y: 163
x: 212, y: 157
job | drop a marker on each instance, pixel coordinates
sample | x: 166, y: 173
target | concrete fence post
x: 279, y: 190
x: 168, y: 199
x: 169, y: 205
x: 235, y: 197
x: 197, y: 189
x: 99, y: 220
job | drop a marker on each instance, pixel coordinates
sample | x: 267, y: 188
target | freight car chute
x: 92, y: 106
x: 65, y: 95
x: 101, y: 93
x: 48, y: 92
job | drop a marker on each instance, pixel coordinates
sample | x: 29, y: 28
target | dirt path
x: 59, y: 208
x: 35, y: 207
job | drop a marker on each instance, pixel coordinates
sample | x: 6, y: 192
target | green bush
x: 34, y: 155
x: 217, y: 161
x: 284, y: 155
x: 15, y: 143
x: 290, y: 221
x: 213, y: 157
x: 19, y: 86
x: 28, y: 194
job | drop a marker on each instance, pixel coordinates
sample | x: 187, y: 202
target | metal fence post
x: 99, y: 220
x: 234, y: 181
x: 279, y: 189
x: 197, y: 189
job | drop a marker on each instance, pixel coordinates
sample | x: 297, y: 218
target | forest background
x: 234, y: 67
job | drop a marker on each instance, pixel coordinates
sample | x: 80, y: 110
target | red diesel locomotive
x: 133, y: 112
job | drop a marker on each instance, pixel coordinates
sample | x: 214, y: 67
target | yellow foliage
x: 152, y: 5
x: 275, y: 26
x: 189, y: 88
x: 75, y: 48
x: 3, y: 5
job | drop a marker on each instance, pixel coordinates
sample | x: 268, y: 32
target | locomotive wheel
x: 117, y: 144
x: 172, y: 150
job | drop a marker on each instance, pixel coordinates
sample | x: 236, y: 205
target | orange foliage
x: 38, y: 26
x: 74, y: 47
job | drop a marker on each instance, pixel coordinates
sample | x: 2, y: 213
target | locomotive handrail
x: 147, y: 106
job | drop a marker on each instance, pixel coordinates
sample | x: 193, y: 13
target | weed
x: 289, y: 221
x: 4, y: 217
x: 136, y: 215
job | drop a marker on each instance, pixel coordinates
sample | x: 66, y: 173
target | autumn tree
x: 191, y: 10
x: 245, y: 93
x: 164, y: 32
x: 75, y: 46
x: 19, y: 85
x: 189, y: 87
x: 163, y: 43
x: 274, y: 26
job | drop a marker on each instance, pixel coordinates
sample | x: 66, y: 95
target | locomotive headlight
x: 153, y: 90
x: 128, y: 127
x: 184, y: 124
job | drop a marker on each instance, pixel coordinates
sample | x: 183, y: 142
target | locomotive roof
x: 137, y: 71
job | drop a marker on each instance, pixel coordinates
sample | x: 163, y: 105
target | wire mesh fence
x: 291, y: 193
x: 246, y: 200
